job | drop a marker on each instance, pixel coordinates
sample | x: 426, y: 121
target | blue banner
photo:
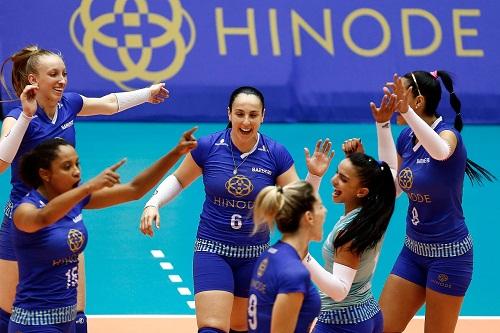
x: 315, y: 61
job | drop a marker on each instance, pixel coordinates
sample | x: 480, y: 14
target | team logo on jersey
x: 126, y: 41
x: 262, y: 267
x: 239, y: 186
x: 75, y: 240
x: 221, y: 143
x: 442, y: 277
x: 405, y: 179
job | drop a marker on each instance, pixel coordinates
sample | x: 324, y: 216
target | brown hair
x: 24, y: 62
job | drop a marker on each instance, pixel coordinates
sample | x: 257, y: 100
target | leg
x: 239, y: 315
x: 213, y: 288
x: 242, y: 270
x: 441, y: 312
x: 213, y: 309
x: 404, y: 292
x: 81, y: 318
x: 400, y: 300
x: 447, y: 283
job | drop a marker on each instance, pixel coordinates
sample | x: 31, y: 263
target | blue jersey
x: 42, y: 128
x: 279, y: 270
x: 229, y: 196
x: 434, y: 189
x: 48, y: 259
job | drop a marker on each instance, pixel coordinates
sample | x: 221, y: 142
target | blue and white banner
x: 315, y: 61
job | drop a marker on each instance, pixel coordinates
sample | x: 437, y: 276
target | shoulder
x: 15, y: 112
x: 272, y: 144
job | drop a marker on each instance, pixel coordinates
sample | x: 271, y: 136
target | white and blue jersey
x: 48, y: 267
x: 279, y: 270
x: 229, y: 197
x: 434, y: 190
x: 40, y: 128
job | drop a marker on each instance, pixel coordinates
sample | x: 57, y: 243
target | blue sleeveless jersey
x: 40, y: 129
x: 48, y: 259
x: 279, y: 270
x: 434, y: 189
x: 229, y: 198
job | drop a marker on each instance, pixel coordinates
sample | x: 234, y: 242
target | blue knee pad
x: 4, y: 321
x: 210, y: 330
x: 81, y: 322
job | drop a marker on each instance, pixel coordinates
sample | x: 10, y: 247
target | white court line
x: 191, y: 304
x: 157, y: 253
x: 166, y: 266
x: 175, y: 278
x: 184, y: 291
x: 193, y: 316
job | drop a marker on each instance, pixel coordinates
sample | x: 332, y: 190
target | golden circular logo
x: 405, y: 179
x: 75, y: 240
x: 239, y: 186
x: 442, y: 277
x: 125, y: 37
x: 262, y: 267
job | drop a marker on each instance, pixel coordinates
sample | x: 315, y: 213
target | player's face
x: 64, y: 173
x: 51, y: 78
x: 319, y: 212
x: 347, y: 188
x: 412, y: 101
x: 245, y: 116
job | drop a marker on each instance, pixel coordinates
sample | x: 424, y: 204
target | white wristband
x: 436, y: 146
x: 129, y: 99
x: 166, y: 191
x: 314, y: 180
x: 10, y: 144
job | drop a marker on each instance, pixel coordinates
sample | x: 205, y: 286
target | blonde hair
x: 24, y: 62
x: 283, y: 207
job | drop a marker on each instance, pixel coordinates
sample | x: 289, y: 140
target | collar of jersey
x: 244, y: 155
x: 433, y: 126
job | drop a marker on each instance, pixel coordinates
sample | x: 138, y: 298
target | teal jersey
x: 361, y: 290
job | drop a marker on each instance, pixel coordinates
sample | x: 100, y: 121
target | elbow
x: 339, y: 297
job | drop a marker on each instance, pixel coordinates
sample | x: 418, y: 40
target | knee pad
x: 210, y: 330
x: 4, y: 321
x: 81, y: 322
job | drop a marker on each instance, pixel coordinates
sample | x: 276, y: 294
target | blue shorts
x: 6, y: 246
x: 68, y: 327
x: 217, y: 272
x: 373, y: 325
x: 450, y: 275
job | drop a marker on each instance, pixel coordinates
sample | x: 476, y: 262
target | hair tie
x: 279, y: 189
x: 434, y: 74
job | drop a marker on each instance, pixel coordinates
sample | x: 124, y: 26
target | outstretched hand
x: 402, y: 93
x: 387, y: 107
x: 158, y: 93
x: 149, y: 215
x: 319, y: 162
x: 351, y: 146
x: 107, y: 178
x: 187, y: 142
x: 28, y: 99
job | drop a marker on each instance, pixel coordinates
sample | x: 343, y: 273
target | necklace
x: 235, y: 170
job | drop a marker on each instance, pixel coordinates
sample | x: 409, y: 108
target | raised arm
x: 13, y: 130
x: 29, y: 218
x: 145, y: 181
x: 319, y: 162
x: 185, y: 174
x: 117, y: 102
x: 439, y: 146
